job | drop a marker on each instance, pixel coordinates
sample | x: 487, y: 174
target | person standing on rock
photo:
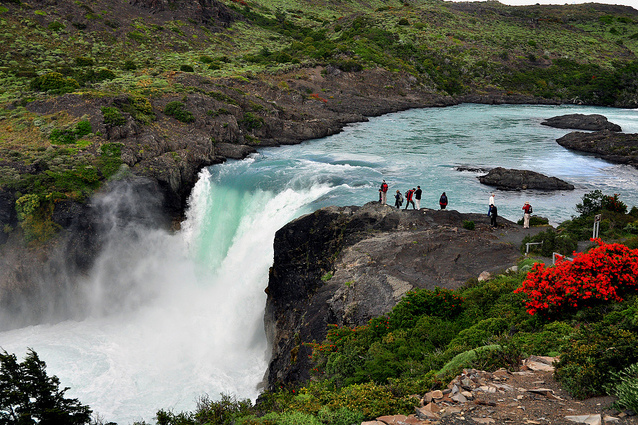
x: 493, y: 214
x: 398, y: 199
x: 490, y: 203
x: 383, y: 191
x: 408, y: 198
x: 527, y: 211
x: 417, y: 197
x: 443, y: 201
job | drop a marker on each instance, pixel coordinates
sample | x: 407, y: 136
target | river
x: 196, y: 326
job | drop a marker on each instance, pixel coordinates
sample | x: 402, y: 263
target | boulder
x: 509, y: 179
x: 593, y: 122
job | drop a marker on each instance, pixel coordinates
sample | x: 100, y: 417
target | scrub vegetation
x: 112, y: 49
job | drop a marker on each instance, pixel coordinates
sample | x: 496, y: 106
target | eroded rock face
x: 620, y: 148
x: 509, y: 179
x: 44, y: 283
x: 593, y: 122
x: 374, y: 254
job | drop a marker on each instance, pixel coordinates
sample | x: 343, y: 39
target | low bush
x: 113, y: 116
x: 54, y: 82
x: 592, y: 355
x: 177, y: 111
x: 625, y: 387
x: 535, y: 221
x: 468, y: 224
x: 564, y: 243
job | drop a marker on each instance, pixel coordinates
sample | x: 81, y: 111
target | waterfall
x: 174, y: 316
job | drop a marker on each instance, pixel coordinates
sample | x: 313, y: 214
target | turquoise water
x: 193, y: 320
x: 423, y: 147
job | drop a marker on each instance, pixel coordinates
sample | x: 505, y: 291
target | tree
x: 28, y: 396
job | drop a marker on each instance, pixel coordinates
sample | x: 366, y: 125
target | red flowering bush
x: 604, y: 273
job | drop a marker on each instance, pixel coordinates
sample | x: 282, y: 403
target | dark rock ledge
x: 509, y: 179
x: 620, y: 148
x: 375, y: 254
x: 593, y: 122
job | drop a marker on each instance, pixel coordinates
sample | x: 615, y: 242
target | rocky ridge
x: 621, y: 148
x: 348, y: 265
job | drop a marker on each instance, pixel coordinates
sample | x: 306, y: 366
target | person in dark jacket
x: 443, y: 201
x: 417, y: 197
x: 398, y: 199
x: 493, y: 215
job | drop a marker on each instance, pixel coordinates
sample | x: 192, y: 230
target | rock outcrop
x: 347, y: 265
x: 621, y: 148
x: 593, y: 122
x: 509, y: 179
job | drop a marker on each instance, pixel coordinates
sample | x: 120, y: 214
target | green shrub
x: 104, y: 74
x: 592, y: 354
x: 62, y: 137
x: 113, y: 116
x: 535, y: 221
x: 371, y: 400
x: 478, y: 334
x: 186, y: 68
x: 464, y: 360
x: 347, y: 65
x: 251, y: 121
x: 139, y: 107
x: 592, y: 203
x: 56, y: 26
x: 297, y: 418
x: 54, y: 82
x: 547, y: 342
x: 223, y: 411
x: 34, y: 215
x: 110, y: 159
x: 342, y: 416
x: 177, y: 111
x: 564, y: 243
x: 468, y: 224
x: 83, y: 128
x: 83, y: 61
x: 625, y: 387
x: 129, y: 65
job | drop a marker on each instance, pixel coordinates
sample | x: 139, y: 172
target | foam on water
x: 174, y: 316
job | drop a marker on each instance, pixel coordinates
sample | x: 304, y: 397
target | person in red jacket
x: 383, y: 192
x: 527, y: 211
x: 408, y: 198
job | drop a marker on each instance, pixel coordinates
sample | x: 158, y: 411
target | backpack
x: 530, y: 209
x: 400, y: 198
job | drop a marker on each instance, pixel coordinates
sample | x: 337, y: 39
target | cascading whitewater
x: 173, y: 316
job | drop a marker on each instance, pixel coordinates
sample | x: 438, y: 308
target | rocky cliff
x: 347, y: 265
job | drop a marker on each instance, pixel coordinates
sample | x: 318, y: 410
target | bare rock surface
x: 593, y: 122
x: 510, y: 179
x: 346, y: 265
x: 524, y: 396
